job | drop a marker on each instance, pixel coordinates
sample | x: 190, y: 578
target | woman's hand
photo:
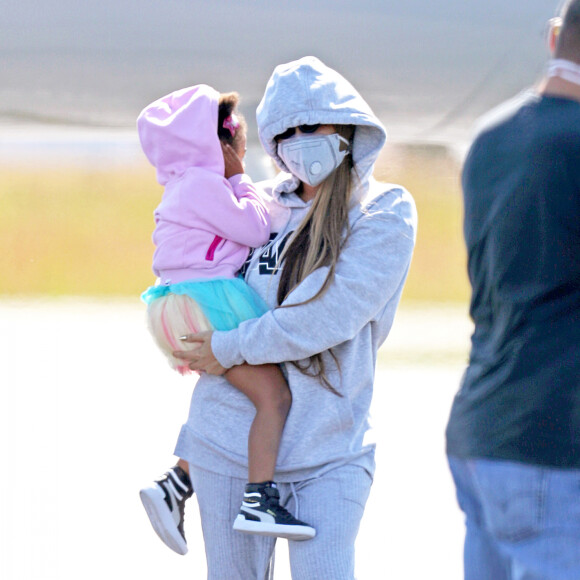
x: 232, y: 162
x: 200, y: 358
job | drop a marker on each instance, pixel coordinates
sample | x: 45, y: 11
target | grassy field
x: 88, y: 233
x: 432, y: 175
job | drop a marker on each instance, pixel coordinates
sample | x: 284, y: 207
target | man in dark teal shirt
x: 513, y: 437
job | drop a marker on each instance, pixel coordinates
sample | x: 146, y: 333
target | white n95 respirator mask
x: 312, y: 158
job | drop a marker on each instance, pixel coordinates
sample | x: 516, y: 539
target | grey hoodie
x: 353, y: 317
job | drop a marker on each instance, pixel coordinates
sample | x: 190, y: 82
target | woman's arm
x: 369, y: 273
x: 201, y: 358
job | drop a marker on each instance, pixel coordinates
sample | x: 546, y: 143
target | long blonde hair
x: 317, y: 242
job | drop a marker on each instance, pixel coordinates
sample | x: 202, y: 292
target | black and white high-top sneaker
x: 262, y: 514
x: 164, y: 502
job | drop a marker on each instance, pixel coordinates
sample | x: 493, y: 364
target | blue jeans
x: 522, y: 521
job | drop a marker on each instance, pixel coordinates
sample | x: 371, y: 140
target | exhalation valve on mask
x: 312, y: 158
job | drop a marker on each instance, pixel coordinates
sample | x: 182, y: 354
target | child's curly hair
x: 227, y: 106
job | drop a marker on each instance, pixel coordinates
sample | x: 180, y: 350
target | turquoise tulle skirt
x: 224, y: 301
x: 195, y: 306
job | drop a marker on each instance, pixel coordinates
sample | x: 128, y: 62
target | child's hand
x: 233, y: 164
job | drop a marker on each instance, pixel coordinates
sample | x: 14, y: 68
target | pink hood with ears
x: 179, y: 131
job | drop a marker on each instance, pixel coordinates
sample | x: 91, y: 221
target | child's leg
x: 184, y: 465
x: 266, y: 387
x: 261, y: 512
x: 164, y: 501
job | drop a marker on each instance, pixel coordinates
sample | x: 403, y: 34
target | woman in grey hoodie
x: 332, y: 273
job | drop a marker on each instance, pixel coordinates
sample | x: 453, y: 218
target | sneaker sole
x: 296, y: 533
x: 162, y: 520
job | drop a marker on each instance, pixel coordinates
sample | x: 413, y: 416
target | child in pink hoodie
x: 210, y: 216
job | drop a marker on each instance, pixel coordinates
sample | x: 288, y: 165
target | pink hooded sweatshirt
x: 205, y: 223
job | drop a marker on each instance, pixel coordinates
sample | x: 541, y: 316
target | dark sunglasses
x: 292, y: 130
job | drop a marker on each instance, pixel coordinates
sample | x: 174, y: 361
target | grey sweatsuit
x: 326, y: 436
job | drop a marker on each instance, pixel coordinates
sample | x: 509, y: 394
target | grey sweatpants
x: 333, y: 503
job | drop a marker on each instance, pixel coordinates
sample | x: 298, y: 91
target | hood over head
x: 179, y: 131
x: 307, y: 92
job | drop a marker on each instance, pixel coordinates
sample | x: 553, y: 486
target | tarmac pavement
x: 89, y: 412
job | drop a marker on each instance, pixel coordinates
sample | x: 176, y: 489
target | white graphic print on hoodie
x: 353, y: 317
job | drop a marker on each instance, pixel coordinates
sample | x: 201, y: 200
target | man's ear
x: 554, y: 26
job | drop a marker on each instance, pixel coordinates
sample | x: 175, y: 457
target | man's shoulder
x: 504, y: 113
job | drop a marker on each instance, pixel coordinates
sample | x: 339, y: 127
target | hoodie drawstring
x: 296, y: 503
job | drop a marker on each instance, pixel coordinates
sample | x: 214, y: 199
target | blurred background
x: 88, y: 410
x: 75, y: 75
